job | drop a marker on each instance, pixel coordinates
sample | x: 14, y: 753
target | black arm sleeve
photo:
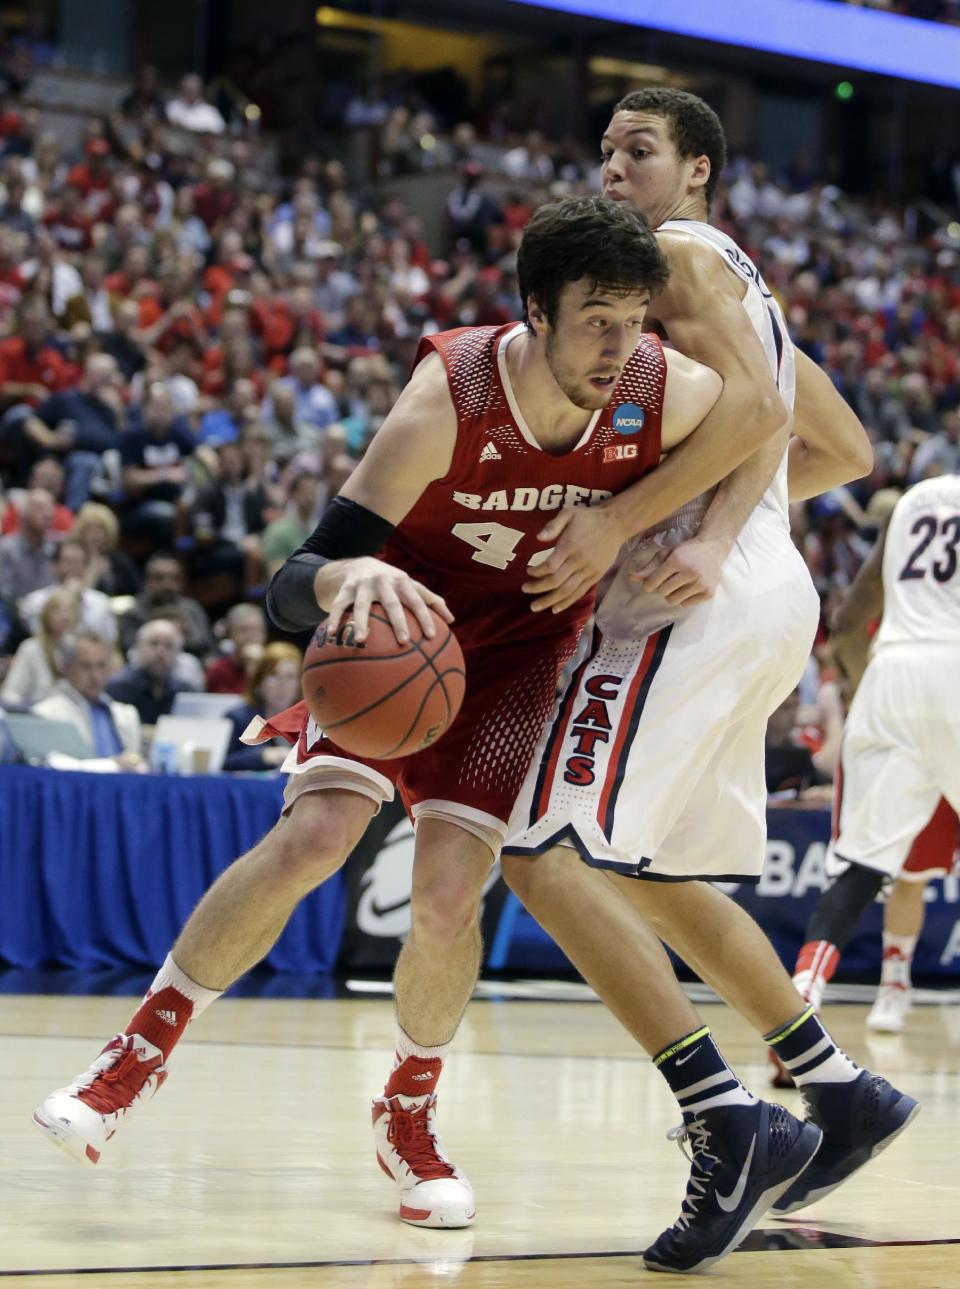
x: 346, y: 530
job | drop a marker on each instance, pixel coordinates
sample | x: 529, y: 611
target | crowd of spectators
x: 194, y: 354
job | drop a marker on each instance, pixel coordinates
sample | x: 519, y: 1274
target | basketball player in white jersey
x: 900, y: 754
x: 653, y: 766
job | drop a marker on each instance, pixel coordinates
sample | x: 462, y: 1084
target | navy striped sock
x: 698, y: 1075
x: 809, y: 1053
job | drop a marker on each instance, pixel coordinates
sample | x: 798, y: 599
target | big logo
x: 620, y: 452
x: 628, y: 418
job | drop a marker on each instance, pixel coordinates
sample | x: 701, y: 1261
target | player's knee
x: 649, y: 899
x: 313, y: 841
x: 518, y: 872
x: 445, y: 911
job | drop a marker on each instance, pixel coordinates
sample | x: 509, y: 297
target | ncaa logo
x: 628, y: 418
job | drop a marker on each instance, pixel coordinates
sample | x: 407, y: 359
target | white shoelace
x: 698, y: 1134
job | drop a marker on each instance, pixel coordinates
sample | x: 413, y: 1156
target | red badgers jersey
x: 472, y: 533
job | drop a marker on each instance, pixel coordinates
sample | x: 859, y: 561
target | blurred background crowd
x: 205, y: 316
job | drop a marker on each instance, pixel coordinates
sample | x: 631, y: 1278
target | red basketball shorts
x: 934, y: 850
x: 475, y: 771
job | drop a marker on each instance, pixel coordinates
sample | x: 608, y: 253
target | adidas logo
x: 421, y: 1077
x: 490, y: 453
x: 168, y: 1016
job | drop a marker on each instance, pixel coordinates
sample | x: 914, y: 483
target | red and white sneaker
x: 82, y: 1117
x: 893, y: 1003
x: 432, y: 1191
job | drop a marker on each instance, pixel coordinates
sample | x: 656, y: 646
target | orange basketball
x: 383, y: 699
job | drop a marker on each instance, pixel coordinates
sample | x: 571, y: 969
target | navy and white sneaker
x: 742, y: 1158
x: 859, y: 1119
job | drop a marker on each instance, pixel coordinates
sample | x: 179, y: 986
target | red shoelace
x: 409, y: 1134
x: 117, y: 1088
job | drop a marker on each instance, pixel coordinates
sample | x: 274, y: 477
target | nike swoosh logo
x: 682, y: 1059
x: 729, y: 1202
x: 382, y: 910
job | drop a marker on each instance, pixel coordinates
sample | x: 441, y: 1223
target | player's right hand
x: 686, y: 574
x: 364, y: 580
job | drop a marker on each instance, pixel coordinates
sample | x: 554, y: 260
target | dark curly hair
x: 694, y: 127
x: 586, y: 237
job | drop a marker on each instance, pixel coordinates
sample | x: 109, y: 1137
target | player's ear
x: 700, y: 172
x: 536, y: 318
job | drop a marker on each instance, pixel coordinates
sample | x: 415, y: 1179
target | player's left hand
x: 686, y: 574
x: 587, y: 541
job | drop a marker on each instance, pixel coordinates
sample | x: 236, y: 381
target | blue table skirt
x: 101, y: 871
x: 97, y: 870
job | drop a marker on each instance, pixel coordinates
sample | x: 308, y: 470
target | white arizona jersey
x: 653, y: 762
x: 627, y: 611
x: 764, y: 312
x: 921, y: 581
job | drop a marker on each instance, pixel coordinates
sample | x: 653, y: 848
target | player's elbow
x: 842, y: 626
x: 766, y: 418
x: 859, y: 454
x: 774, y: 415
x: 289, y: 603
x: 273, y: 603
x: 849, y: 458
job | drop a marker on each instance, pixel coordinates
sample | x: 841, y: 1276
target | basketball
x: 380, y: 698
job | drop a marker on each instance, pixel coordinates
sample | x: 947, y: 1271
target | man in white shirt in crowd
x: 26, y: 556
x: 313, y: 403
x: 191, y: 111
x: 110, y: 729
x: 70, y: 562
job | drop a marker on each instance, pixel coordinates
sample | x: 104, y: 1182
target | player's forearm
x: 738, y: 495
x: 739, y: 425
x: 851, y: 653
x: 831, y: 446
x: 831, y: 722
x: 301, y: 591
x: 815, y: 470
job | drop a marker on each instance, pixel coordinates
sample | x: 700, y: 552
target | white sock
x: 170, y: 976
x: 809, y: 1053
x: 835, y: 1068
x: 407, y: 1047
x: 898, y: 953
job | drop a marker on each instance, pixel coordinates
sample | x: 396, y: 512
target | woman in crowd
x: 108, y: 570
x: 274, y: 685
x: 34, y: 672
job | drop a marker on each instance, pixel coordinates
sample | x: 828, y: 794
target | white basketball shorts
x: 900, y: 754
x: 653, y: 762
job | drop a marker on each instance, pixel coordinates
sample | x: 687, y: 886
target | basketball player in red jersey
x: 497, y: 427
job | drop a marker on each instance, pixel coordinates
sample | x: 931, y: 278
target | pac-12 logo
x: 628, y: 418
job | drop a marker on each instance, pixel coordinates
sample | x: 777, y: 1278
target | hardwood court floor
x: 254, y: 1166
